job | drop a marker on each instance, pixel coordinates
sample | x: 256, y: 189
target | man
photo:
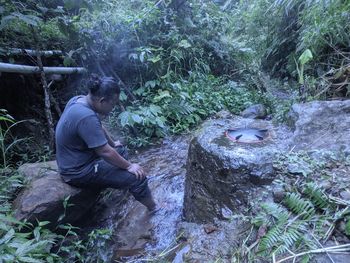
x: 86, y: 154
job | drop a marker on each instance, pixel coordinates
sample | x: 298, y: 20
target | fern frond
x: 299, y: 206
x: 317, y: 196
x: 276, y: 211
x: 270, y: 240
x: 282, y: 238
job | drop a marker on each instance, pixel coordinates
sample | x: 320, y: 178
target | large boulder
x: 323, y: 125
x: 224, y: 175
x: 257, y: 111
x: 44, y: 196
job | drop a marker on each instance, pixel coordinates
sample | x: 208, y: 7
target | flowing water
x: 136, y: 235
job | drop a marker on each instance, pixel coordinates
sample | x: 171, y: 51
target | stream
x: 138, y: 237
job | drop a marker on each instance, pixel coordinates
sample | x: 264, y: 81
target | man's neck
x: 90, y: 102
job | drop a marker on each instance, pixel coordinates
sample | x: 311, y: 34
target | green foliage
x: 278, y: 31
x: 18, y: 245
x: 317, y: 196
x: 273, y: 214
x: 304, y: 58
x: 283, y: 233
x: 299, y: 206
x: 347, y: 227
x: 172, y: 108
x: 10, y: 182
x: 18, y: 18
x: 7, y: 142
x: 296, y: 225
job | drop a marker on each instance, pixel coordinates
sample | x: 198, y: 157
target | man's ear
x: 102, y: 99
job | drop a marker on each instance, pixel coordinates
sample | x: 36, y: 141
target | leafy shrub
x: 176, y: 107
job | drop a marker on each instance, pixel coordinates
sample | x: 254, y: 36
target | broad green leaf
x: 140, y: 91
x: 23, y: 248
x: 6, y: 20
x: 160, y: 122
x: 162, y: 94
x: 184, y: 43
x: 122, y: 96
x: 28, y: 19
x: 9, y: 235
x: 347, y: 228
x: 30, y: 260
x: 142, y: 56
x: 305, y: 57
x: 68, y: 61
x: 5, y: 119
x: 154, y: 59
x: 44, y: 223
x: 28, y: 247
x: 151, y: 83
x: 155, y: 109
x: 136, y: 118
x: 36, y: 233
x: 124, y: 118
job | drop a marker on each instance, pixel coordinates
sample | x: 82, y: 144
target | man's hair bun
x: 103, y: 86
x: 94, y: 83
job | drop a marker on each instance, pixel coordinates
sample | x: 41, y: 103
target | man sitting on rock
x: 86, y: 154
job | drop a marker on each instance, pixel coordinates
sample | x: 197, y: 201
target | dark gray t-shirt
x: 78, y: 132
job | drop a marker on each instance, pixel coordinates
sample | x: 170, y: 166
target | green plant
x: 18, y: 245
x: 6, y: 141
x: 305, y: 57
x: 299, y: 223
x: 317, y: 196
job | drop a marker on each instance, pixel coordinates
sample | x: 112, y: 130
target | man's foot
x: 149, y: 203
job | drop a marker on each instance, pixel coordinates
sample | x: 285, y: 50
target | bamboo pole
x: 23, y: 51
x: 24, y: 69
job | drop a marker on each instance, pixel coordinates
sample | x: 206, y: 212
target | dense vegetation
x: 179, y: 62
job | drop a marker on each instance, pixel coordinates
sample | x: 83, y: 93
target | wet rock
x: 43, y: 197
x: 223, y: 115
x: 299, y: 168
x: 220, y: 243
x: 181, y: 254
x: 257, y: 111
x: 278, y: 195
x: 326, y: 185
x: 210, y: 228
x: 321, y: 125
x: 341, y: 226
x: 345, y: 195
x: 133, y: 233
x: 222, y: 174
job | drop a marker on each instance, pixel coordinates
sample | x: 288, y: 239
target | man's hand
x: 137, y: 170
x: 117, y: 143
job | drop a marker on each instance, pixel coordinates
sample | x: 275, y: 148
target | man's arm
x: 108, y: 137
x: 110, y: 155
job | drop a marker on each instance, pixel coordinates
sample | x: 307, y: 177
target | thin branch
x: 334, y: 249
x: 46, y: 92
